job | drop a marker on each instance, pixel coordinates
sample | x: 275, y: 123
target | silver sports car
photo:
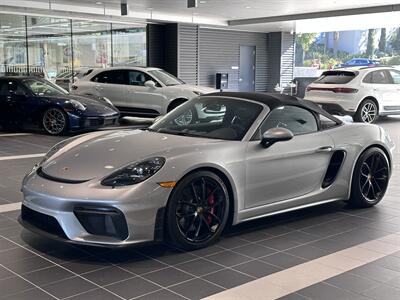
x: 242, y: 156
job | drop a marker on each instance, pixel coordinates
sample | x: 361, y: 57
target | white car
x: 364, y: 93
x: 138, y: 91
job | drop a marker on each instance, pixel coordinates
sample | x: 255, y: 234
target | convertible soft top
x: 276, y: 100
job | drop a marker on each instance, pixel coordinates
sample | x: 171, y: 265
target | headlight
x: 77, y: 105
x: 198, y: 93
x: 135, y: 172
x: 108, y: 101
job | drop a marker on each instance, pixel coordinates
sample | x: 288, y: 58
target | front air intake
x: 103, y: 221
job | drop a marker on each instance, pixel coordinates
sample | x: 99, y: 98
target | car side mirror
x: 274, y: 135
x: 150, y: 84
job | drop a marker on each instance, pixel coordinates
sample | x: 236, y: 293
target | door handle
x: 324, y: 149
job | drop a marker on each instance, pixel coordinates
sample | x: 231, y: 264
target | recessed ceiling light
x: 5, y: 27
x: 203, y: 2
x: 99, y: 3
x: 248, y: 7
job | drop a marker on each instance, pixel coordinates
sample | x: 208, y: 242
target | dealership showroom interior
x: 200, y: 149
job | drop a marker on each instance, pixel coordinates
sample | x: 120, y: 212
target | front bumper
x: 92, y: 122
x: 54, y: 206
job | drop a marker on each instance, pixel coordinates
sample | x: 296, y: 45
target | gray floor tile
x: 29, y: 265
x: 161, y: 295
x: 32, y: 294
x: 167, y: 277
x: 196, y: 289
x: 69, y: 287
x: 228, y: 278
x: 142, y: 266
x: 98, y: 294
x: 308, y: 252
x: 108, y: 275
x: 199, y: 267
x: 257, y: 268
x: 254, y: 250
x: 228, y: 258
x: 375, y: 272
x: 85, y: 265
x: 132, y: 287
x: 383, y: 292
x: 352, y: 282
x: 283, y: 260
x: 47, y: 276
x: 14, y: 285
x: 279, y: 243
x: 323, y: 291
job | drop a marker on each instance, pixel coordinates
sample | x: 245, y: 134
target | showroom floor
x: 308, y: 254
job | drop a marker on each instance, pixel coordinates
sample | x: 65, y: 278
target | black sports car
x: 31, y: 102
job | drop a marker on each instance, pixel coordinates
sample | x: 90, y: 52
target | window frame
x: 390, y: 75
x: 257, y: 137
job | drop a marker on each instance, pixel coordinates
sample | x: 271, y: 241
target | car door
x: 15, y: 110
x: 4, y: 102
x: 384, y: 89
x: 144, y: 99
x: 112, y: 84
x: 287, y: 169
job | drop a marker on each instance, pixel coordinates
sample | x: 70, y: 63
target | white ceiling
x: 209, y: 12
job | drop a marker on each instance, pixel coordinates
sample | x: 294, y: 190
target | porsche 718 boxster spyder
x: 242, y: 156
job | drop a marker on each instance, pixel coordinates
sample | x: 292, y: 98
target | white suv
x: 138, y: 91
x: 364, y: 93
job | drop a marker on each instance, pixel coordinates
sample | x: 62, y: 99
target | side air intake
x: 333, y: 168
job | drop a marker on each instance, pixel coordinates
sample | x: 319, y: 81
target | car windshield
x: 210, y: 117
x: 166, y: 78
x: 44, y: 88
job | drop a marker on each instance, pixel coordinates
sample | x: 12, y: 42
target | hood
x: 102, y: 153
x: 94, y: 107
x: 197, y: 88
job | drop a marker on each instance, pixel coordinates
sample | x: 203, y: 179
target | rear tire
x: 197, y: 211
x: 370, y: 178
x: 367, y: 112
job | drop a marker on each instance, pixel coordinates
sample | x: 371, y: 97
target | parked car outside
x: 359, y: 62
x: 31, y: 102
x: 67, y: 78
x: 364, y: 93
x: 138, y: 91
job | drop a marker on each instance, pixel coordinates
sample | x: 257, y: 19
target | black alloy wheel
x: 370, y: 178
x: 197, y: 211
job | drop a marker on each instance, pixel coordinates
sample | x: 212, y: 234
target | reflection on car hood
x: 93, y: 106
x: 98, y: 154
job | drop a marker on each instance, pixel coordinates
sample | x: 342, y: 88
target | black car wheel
x: 55, y: 121
x: 370, y: 178
x: 197, y: 211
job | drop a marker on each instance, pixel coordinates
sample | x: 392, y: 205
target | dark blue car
x: 358, y: 62
x: 30, y: 102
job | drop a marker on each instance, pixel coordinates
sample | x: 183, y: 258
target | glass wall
x: 13, y: 55
x: 51, y: 47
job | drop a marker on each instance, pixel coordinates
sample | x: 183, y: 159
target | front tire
x: 197, y: 211
x: 367, y: 112
x: 370, y: 178
x: 55, y: 121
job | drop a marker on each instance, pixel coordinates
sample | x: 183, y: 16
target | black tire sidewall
x: 357, y: 199
x: 173, y: 233
x: 358, y: 115
x: 65, y: 129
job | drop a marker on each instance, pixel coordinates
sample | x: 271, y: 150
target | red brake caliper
x: 210, y: 201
